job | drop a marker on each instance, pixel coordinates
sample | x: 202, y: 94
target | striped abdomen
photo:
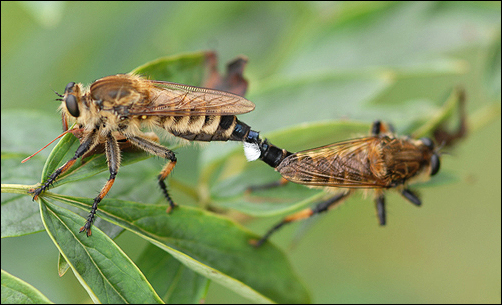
x: 206, y: 128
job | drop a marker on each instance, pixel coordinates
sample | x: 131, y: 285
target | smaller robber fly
x: 117, y: 107
x: 379, y: 162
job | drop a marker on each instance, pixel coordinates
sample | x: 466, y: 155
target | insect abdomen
x: 205, y: 128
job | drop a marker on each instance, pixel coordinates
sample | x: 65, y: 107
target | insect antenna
x: 70, y: 130
x: 58, y: 95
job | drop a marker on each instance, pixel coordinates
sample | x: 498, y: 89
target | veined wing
x: 177, y: 100
x: 342, y: 164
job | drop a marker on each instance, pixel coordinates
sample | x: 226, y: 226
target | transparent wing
x: 176, y: 99
x: 342, y: 164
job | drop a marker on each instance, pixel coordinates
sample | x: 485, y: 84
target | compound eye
x: 435, y: 164
x: 69, y: 87
x: 428, y: 142
x: 72, y: 105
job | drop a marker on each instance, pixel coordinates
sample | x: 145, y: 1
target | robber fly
x: 118, y: 106
x: 379, y: 162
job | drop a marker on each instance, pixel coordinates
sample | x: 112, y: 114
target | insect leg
x: 113, y: 158
x: 411, y: 197
x: 163, y: 152
x: 303, y: 214
x: 378, y: 127
x: 375, y: 128
x: 446, y: 138
x: 380, y: 209
x: 280, y: 182
x: 88, y: 143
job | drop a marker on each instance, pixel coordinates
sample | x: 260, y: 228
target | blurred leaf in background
x: 308, y: 62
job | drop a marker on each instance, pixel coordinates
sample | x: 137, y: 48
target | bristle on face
x: 251, y: 151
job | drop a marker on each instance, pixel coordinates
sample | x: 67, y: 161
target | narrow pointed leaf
x: 17, y: 291
x: 103, y: 269
x: 211, y: 245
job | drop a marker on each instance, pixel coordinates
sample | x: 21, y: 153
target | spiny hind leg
x: 162, y: 176
x: 303, y: 214
x: 163, y: 152
x: 113, y: 158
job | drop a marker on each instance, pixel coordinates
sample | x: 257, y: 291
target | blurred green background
x: 307, y: 62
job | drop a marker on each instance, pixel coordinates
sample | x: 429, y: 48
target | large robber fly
x: 118, y: 106
x: 379, y: 162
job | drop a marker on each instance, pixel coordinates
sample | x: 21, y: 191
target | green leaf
x: 188, y: 68
x: 106, y: 272
x: 211, y: 245
x: 17, y: 291
x: 172, y: 280
x: 20, y: 138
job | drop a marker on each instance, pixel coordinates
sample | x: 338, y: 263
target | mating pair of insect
x: 119, y: 106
